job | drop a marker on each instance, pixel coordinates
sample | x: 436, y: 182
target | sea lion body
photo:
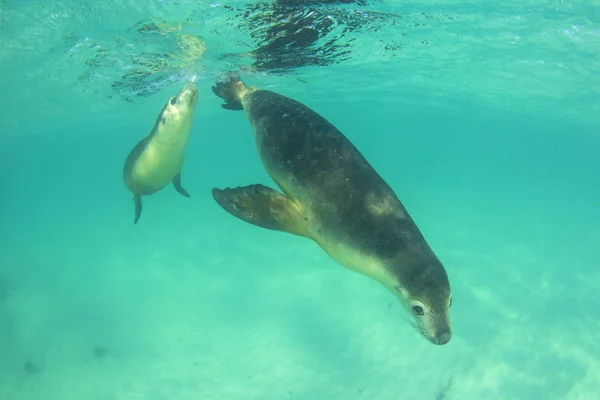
x: 333, y: 196
x: 158, y: 159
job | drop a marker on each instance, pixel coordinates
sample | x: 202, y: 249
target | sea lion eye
x: 450, y: 303
x: 417, y: 310
x: 174, y: 101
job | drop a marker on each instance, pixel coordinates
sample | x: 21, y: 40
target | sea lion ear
x: 398, y: 288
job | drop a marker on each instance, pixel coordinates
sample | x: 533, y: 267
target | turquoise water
x: 483, y: 118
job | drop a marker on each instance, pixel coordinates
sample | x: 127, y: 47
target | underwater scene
x: 299, y: 200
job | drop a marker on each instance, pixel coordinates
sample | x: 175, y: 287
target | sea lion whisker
x: 415, y: 326
x: 419, y: 330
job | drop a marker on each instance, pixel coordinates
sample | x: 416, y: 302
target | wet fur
x: 349, y: 210
x: 157, y: 159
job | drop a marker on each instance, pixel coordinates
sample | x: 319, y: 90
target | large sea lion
x: 158, y: 158
x: 332, y: 195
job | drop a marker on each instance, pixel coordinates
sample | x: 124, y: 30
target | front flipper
x: 138, y: 208
x: 178, y: 187
x: 262, y: 206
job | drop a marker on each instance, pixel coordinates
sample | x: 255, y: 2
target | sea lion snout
x: 442, y: 337
x: 189, y: 94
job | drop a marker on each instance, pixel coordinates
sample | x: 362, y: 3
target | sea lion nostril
x: 443, y: 337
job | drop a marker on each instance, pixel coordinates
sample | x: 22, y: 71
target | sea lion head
x: 423, y: 288
x: 177, y: 112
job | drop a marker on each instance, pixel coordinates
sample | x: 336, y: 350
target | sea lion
x: 332, y: 195
x: 158, y: 158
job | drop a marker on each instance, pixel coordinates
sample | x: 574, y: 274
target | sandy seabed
x: 229, y: 311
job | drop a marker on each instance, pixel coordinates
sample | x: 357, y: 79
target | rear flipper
x: 138, y: 208
x: 262, y: 206
x: 178, y: 187
x: 230, y: 90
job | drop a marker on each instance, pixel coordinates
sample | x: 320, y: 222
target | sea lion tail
x: 232, y: 89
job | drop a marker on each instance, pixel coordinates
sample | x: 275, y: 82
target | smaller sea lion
x: 158, y: 158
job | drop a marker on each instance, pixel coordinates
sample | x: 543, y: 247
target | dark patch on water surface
x: 99, y: 352
x: 291, y: 34
x: 32, y: 368
x: 285, y: 35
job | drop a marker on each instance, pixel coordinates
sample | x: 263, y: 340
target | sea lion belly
x: 157, y: 165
